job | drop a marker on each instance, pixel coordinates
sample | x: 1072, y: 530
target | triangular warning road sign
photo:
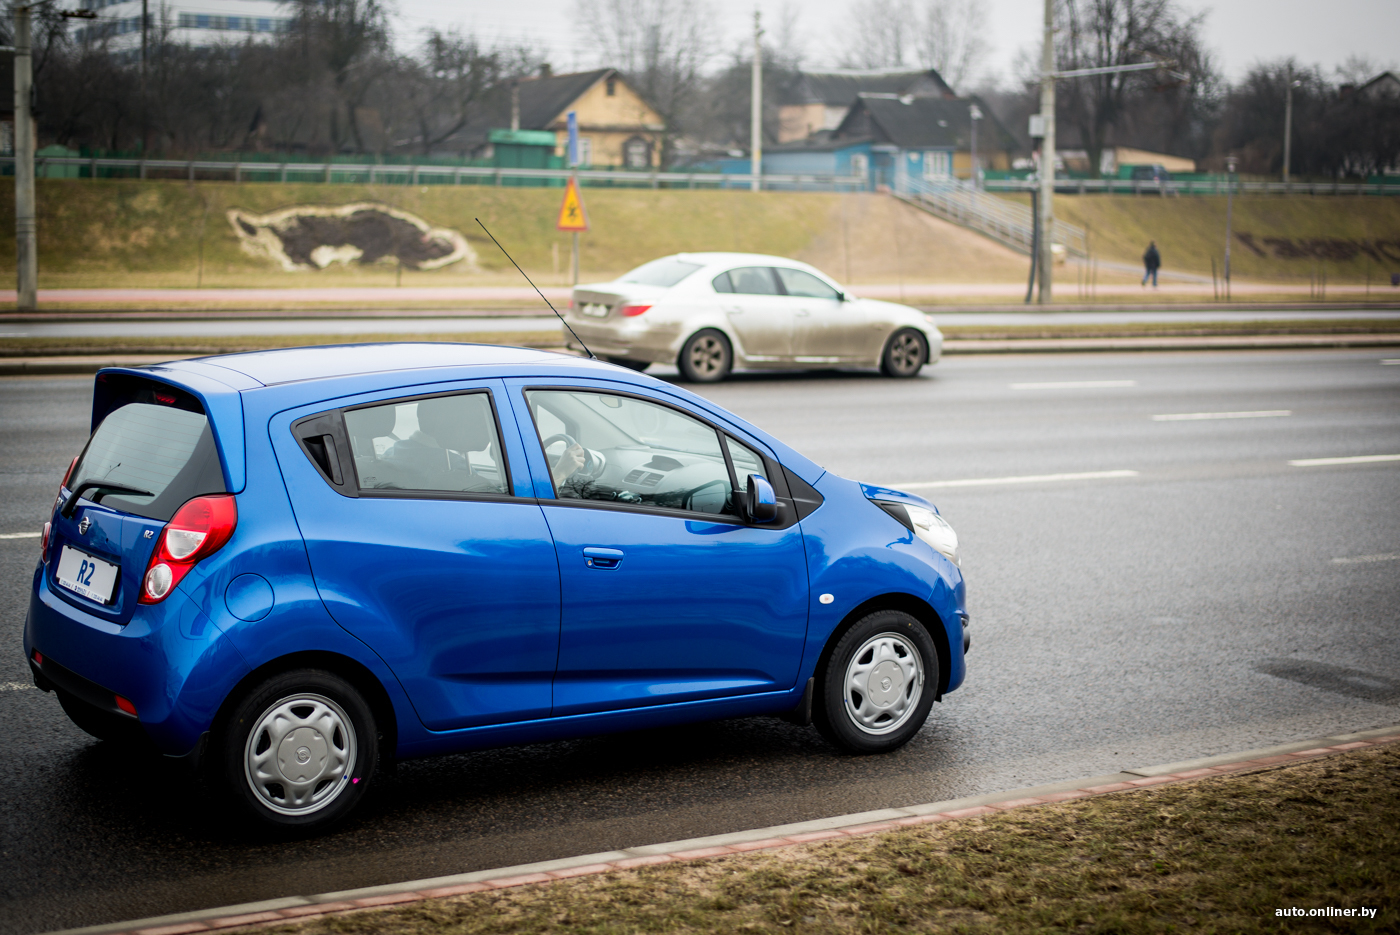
x: 572, y: 217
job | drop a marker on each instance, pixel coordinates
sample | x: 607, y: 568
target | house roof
x: 544, y: 99
x: 820, y: 142
x: 923, y: 123
x: 840, y: 88
x: 1384, y: 83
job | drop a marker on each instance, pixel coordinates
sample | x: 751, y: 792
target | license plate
x: 91, y: 577
x: 595, y: 310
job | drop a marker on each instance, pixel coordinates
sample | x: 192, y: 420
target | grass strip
x: 229, y: 344
x: 1220, y: 854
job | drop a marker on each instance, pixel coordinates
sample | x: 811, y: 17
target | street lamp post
x: 1230, y: 164
x: 1046, y: 224
x: 1288, y: 124
x: 756, y: 107
x: 26, y: 246
x: 975, y: 113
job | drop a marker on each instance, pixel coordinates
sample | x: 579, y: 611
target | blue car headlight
x: 934, y: 530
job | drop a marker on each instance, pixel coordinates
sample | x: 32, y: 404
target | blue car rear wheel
x: 300, y: 749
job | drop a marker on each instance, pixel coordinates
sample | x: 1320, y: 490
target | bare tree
x: 661, y: 46
x: 876, y: 34
x: 951, y: 39
x: 1097, y: 33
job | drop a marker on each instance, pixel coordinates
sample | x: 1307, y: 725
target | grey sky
x: 1240, y: 32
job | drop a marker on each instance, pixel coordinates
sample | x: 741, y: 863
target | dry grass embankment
x: 1214, y: 855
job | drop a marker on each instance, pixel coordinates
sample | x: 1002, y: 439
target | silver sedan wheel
x: 905, y: 356
x: 883, y: 683
x: 707, y: 356
x: 299, y: 754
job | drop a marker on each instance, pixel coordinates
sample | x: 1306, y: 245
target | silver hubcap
x: 706, y: 356
x: 299, y: 755
x: 906, y: 353
x: 883, y: 683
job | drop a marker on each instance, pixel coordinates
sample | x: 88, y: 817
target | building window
x: 585, y: 150
x: 636, y: 153
x: 938, y: 164
x: 612, y: 87
x: 860, y: 164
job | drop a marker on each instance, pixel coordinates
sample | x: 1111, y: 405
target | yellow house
x: 616, y: 128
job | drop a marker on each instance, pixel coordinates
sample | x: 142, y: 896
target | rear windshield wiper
x: 103, y: 488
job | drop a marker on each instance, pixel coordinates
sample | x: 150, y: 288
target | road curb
x: 91, y: 363
x: 299, y: 908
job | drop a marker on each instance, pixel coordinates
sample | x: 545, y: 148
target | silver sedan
x: 711, y: 312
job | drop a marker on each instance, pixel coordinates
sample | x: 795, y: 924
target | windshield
x: 665, y: 272
x: 169, y: 452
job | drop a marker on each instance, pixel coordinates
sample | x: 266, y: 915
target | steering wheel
x: 587, y: 468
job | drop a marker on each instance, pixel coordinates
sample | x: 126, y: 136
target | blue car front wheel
x: 878, y: 683
x: 300, y: 749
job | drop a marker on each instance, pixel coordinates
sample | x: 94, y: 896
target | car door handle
x: 595, y: 557
x: 803, y: 313
x: 733, y: 310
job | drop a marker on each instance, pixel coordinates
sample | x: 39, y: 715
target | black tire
x: 104, y: 725
x: 332, y: 737
x: 894, y: 648
x: 706, y: 357
x: 905, y: 354
x: 637, y: 365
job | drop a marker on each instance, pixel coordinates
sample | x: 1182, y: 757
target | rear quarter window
x: 168, y: 451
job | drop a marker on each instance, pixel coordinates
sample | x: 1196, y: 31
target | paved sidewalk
x: 295, y: 908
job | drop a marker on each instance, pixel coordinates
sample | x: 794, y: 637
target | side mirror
x: 761, y: 504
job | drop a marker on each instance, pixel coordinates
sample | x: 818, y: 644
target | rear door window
x: 157, y: 448
x: 754, y: 280
x: 443, y: 443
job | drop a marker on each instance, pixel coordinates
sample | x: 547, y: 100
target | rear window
x: 167, y: 451
x: 665, y: 272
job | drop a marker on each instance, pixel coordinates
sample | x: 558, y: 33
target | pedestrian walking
x: 1151, y: 260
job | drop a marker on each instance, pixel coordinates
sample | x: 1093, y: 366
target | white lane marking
x: 1358, y: 459
x: 1390, y: 363
x: 14, y: 687
x: 1074, y: 385
x: 20, y: 535
x: 1366, y: 559
x: 1196, y: 416
x: 1024, y: 479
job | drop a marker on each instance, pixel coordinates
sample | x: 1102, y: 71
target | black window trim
x: 350, y: 487
x: 775, y: 472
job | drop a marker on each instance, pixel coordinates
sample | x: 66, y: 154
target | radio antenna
x: 537, y: 289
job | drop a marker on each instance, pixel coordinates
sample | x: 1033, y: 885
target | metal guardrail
x: 1192, y: 187
x: 1004, y: 221
x: 416, y: 174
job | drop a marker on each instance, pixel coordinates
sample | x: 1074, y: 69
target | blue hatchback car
x: 290, y: 567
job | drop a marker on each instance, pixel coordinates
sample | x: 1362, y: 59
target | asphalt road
x: 407, y: 325
x: 1216, y: 600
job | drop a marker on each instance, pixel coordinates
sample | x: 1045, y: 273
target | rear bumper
x: 170, y: 662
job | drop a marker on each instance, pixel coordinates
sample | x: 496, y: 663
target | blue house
x: 900, y: 142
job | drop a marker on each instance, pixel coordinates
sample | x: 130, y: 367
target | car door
x: 668, y: 596
x: 757, y: 310
x: 420, y: 547
x: 828, y: 329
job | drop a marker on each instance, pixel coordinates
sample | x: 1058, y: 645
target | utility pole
x: 26, y: 245
x: 756, y: 117
x: 1230, y: 164
x: 1288, y: 124
x: 975, y: 113
x: 1046, y: 223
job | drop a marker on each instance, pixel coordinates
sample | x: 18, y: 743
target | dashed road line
x: 15, y: 687
x: 1197, y: 416
x: 1357, y: 459
x: 1074, y: 385
x: 1390, y: 363
x: 1023, y: 479
x: 21, y: 535
x: 1366, y: 559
